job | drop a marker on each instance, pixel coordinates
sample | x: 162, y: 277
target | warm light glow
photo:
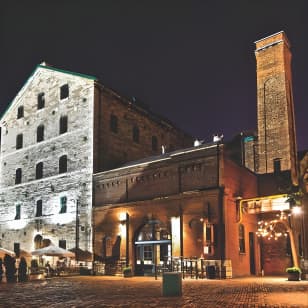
x: 122, y: 230
x: 176, y: 237
x: 296, y: 210
x: 122, y: 216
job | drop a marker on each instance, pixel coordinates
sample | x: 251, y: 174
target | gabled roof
x: 48, y: 68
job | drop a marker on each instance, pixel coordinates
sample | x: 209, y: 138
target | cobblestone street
x: 100, y: 291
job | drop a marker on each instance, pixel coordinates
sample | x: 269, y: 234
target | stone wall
x: 76, y: 143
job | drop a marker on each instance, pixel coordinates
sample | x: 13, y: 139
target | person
x: 48, y: 269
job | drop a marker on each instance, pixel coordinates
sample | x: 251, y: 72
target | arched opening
x: 152, y: 247
x: 38, y: 241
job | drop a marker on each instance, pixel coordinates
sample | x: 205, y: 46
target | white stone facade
x: 72, y: 187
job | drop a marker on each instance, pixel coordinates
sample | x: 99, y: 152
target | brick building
x: 200, y: 203
x: 82, y: 167
x: 60, y: 129
x: 180, y: 204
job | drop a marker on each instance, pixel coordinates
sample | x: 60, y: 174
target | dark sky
x: 190, y: 61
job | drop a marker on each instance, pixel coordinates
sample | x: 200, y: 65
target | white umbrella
x: 54, y: 251
x: 4, y: 251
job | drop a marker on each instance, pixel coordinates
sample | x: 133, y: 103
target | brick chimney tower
x: 277, y: 149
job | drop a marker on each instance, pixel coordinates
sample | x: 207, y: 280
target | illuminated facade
x: 182, y: 204
x: 83, y: 167
x: 60, y: 129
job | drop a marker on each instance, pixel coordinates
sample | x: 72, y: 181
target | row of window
x: 40, y: 132
x: 135, y: 132
x: 64, y: 93
x: 39, y: 208
x: 39, y: 173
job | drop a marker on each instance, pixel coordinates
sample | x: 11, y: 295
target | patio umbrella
x: 25, y: 253
x: 82, y: 255
x: 4, y: 251
x: 53, y: 251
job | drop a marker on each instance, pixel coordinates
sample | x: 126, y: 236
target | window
x: 39, y: 208
x: 136, y: 134
x: 19, y: 141
x: 62, y: 244
x: 39, y: 171
x: 18, y: 176
x: 63, y: 205
x: 40, y: 133
x: 17, y: 249
x: 64, y: 91
x: 63, y: 125
x: 20, y: 112
x: 114, y: 123
x: 241, y: 236
x: 154, y: 143
x: 41, y: 101
x: 277, y: 165
x: 18, y: 210
x: 63, y: 164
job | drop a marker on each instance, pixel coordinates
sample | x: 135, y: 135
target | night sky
x: 190, y: 61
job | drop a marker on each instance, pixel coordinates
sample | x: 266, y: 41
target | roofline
x: 45, y: 67
x: 159, y: 158
x: 264, y: 38
x: 66, y: 72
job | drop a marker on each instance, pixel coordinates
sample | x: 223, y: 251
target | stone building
x: 60, y: 129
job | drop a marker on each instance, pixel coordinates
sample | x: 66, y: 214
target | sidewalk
x: 106, y: 291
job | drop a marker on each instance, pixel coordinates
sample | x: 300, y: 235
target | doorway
x: 152, y: 248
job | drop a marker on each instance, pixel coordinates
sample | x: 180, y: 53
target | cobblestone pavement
x: 104, y: 291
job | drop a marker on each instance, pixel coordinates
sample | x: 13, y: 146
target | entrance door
x: 252, y: 253
x: 152, y: 246
x: 150, y: 255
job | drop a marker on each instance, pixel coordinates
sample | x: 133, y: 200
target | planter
x: 294, y: 276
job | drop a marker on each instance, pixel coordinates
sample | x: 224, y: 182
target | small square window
x: 64, y: 91
x: 62, y: 244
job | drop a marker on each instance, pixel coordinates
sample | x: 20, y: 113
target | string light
x: 273, y: 229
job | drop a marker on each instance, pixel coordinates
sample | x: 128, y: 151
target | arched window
x: 39, y: 170
x: 40, y: 133
x: 154, y: 144
x: 38, y: 241
x: 20, y: 112
x: 63, y: 164
x: 19, y: 141
x: 41, y: 101
x: 114, y: 123
x: 136, y: 134
x: 18, y: 176
x: 63, y: 125
x: 241, y: 237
